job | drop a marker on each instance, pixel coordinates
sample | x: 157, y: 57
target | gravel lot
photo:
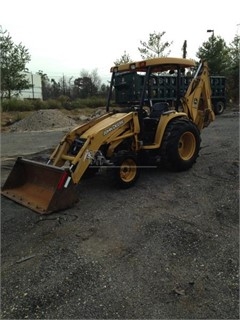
x: 167, y: 248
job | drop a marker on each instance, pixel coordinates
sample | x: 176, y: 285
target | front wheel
x: 126, y: 170
x: 181, y: 145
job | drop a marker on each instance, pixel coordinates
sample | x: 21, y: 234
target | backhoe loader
x: 141, y: 133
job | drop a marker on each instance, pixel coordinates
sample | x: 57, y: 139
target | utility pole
x: 32, y: 85
x: 184, y: 49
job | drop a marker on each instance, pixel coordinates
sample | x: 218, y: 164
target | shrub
x: 53, y: 104
x: 61, y: 102
x: 39, y: 104
x: 17, y: 105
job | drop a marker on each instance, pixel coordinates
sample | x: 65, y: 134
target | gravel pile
x: 42, y: 120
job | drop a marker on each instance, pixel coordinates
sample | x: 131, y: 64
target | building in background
x: 35, y: 90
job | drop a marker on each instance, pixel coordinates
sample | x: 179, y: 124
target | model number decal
x: 113, y: 127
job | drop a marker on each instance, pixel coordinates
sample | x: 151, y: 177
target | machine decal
x: 113, y: 127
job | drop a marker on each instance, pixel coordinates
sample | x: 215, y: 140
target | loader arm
x: 56, y: 158
x: 47, y: 188
x: 110, y: 131
x: 197, y: 100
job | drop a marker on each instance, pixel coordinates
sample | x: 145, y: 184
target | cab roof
x: 157, y: 64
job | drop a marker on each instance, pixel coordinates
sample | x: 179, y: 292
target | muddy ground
x: 167, y: 248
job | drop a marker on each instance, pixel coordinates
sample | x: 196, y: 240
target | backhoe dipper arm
x: 197, y: 100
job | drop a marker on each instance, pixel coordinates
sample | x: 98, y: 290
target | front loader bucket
x: 39, y: 187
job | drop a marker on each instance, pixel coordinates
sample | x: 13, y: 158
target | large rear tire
x: 126, y: 169
x: 181, y: 145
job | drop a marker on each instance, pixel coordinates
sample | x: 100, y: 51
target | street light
x: 212, y: 31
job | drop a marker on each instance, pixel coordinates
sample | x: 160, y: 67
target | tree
x: 104, y: 90
x: 86, y: 87
x: 88, y: 84
x: 216, y: 52
x: 65, y: 86
x: 96, y: 80
x: 55, y: 89
x: 233, y: 69
x: 154, y: 47
x: 13, y: 60
x: 125, y: 58
x: 46, y: 86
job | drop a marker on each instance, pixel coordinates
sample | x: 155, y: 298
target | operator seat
x: 150, y: 123
x: 155, y: 114
x: 158, y: 109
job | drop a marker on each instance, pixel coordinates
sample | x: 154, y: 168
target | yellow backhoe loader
x: 145, y: 132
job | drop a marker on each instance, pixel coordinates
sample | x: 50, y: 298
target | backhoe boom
x: 197, y: 99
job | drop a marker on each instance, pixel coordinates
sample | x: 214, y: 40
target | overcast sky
x: 65, y: 37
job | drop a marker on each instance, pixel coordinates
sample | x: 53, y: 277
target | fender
x: 165, y: 118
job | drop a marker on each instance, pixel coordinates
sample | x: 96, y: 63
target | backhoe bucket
x: 40, y: 187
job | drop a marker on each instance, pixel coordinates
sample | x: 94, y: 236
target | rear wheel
x: 181, y: 145
x: 126, y: 169
x: 219, y: 108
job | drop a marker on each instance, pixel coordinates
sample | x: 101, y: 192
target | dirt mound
x: 42, y: 120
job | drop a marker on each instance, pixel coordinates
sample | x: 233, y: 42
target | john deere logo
x: 113, y: 127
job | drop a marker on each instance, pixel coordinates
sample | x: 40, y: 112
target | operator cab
x: 137, y: 85
x: 150, y: 123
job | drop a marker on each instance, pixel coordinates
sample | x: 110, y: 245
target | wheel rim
x: 128, y: 170
x: 187, y: 146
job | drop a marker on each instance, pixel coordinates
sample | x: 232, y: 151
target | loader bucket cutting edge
x: 38, y: 186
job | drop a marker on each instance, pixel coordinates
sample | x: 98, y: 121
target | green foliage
x: 233, y: 69
x: 87, y: 90
x: 87, y: 85
x: 65, y: 102
x: 13, y: 62
x: 62, y: 102
x: 38, y: 104
x: 125, y: 58
x: 223, y: 60
x: 53, y: 104
x: 154, y: 47
x: 93, y: 102
x: 22, y: 105
x: 216, y: 52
